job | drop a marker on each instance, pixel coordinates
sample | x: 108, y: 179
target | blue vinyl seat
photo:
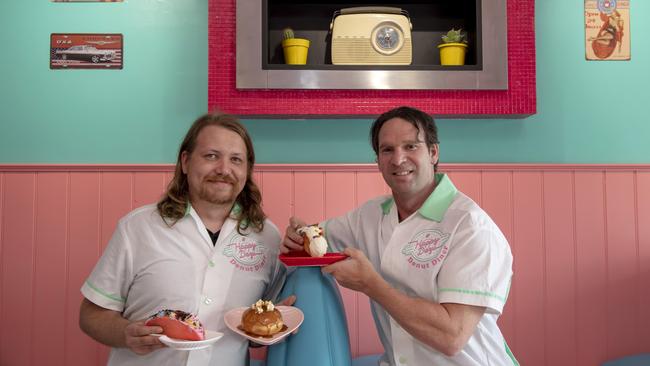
x: 636, y: 360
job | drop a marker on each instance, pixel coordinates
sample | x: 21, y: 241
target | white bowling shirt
x: 449, y: 251
x: 149, y: 266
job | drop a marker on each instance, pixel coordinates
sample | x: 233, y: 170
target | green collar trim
x: 435, y: 206
x: 509, y: 352
x: 440, y: 199
x: 236, y: 210
x: 386, y: 205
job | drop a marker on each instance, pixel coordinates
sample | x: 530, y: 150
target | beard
x: 219, y: 195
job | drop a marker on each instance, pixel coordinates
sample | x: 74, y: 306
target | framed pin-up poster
x: 607, y: 30
x: 86, y: 51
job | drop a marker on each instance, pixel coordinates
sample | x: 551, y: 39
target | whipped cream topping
x: 261, y: 306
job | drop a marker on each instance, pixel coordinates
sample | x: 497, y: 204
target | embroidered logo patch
x: 246, y: 254
x: 426, y: 249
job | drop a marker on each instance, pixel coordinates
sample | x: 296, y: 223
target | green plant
x: 287, y: 33
x: 455, y: 36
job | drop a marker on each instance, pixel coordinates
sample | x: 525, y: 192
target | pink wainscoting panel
x: 528, y: 285
x: 496, y: 193
x: 16, y: 333
x: 591, y: 268
x: 622, y: 265
x: 116, y: 200
x: 50, y: 254
x: 471, y: 183
x: 579, y: 236
x: 84, y: 248
x: 643, y: 226
x: 338, y: 202
x: 2, y: 181
x: 368, y: 185
x: 560, y: 268
x: 308, y: 196
x: 277, y: 193
x: 147, y: 188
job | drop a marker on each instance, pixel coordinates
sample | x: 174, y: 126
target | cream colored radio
x: 371, y: 36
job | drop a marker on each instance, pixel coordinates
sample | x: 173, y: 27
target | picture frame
x: 86, y: 51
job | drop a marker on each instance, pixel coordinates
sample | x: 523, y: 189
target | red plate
x: 302, y: 259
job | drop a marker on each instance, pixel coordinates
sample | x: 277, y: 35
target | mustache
x: 220, y: 178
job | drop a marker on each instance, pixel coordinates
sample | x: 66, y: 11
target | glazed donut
x: 178, y: 324
x: 262, y: 319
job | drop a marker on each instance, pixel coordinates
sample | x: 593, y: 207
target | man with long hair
x: 205, y: 248
x: 434, y: 264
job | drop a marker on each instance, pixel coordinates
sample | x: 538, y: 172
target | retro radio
x: 371, y: 36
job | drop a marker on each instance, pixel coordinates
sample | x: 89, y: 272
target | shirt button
x: 211, y: 263
x: 208, y: 301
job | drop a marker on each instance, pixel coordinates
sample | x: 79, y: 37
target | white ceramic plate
x: 183, y: 345
x: 291, y: 316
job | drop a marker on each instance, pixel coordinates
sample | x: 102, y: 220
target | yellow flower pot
x: 295, y: 51
x: 452, y: 53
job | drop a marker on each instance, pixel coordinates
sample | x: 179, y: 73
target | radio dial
x: 387, y: 38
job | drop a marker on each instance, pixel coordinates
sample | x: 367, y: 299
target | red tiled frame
x: 516, y: 102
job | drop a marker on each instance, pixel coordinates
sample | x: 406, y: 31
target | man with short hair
x: 205, y: 248
x: 436, y: 267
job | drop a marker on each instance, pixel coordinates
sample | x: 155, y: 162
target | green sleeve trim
x: 473, y: 292
x: 112, y: 297
x: 509, y: 352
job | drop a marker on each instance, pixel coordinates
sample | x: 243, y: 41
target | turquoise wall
x: 588, y: 112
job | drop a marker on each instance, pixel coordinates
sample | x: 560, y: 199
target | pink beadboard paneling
x: 277, y: 194
x: 622, y: 265
x: 116, y: 201
x: 147, y: 188
x: 368, y: 185
x: 591, y: 268
x: 643, y: 225
x: 560, y: 269
x: 83, y: 251
x: 16, y: 333
x: 496, y: 193
x: 308, y: 196
x: 469, y: 183
x: 337, y: 202
x: 50, y: 254
x: 579, y: 237
x: 2, y: 181
x: 528, y: 285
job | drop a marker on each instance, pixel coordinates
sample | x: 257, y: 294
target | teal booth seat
x: 636, y: 360
x: 322, y: 339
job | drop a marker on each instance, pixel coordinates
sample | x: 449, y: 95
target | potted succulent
x: 453, y: 48
x: 295, y: 49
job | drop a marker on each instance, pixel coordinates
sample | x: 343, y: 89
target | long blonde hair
x: 173, y: 205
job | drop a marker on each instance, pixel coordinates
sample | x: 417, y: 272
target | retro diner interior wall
x: 588, y: 112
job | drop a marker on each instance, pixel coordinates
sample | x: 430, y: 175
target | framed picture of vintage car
x: 86, y: 51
